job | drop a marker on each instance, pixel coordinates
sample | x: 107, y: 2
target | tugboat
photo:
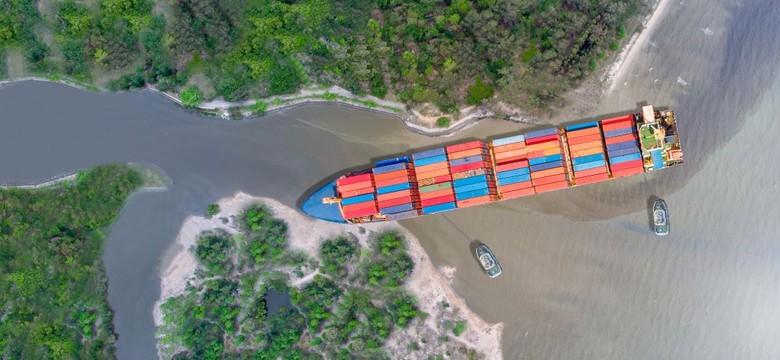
x: 660, y: 217
x: 488, y: 261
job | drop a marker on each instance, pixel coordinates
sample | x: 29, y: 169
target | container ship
x: 478, y: 172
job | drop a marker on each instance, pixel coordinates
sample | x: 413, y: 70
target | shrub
x: 212, y: 210
x: 460, y: 328
x: 443, y: 122
x: 479, y: 92
x: 260, y: 107
x: 191, y: 96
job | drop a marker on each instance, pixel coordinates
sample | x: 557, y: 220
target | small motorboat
x: 660, y: 217
x: 488, y: 260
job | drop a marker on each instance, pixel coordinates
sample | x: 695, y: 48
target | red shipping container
x: 394, y: 181
x: 435, y: 194
x: 629, y: 117
x: 518, y: 193
x: 515, y: 186
x: 548, y: 172
x: 393, y: 195
x: 551, y: 187
x: 394, y: 202
x: 584, y: 146
x: 465, y: 146
x: 358, y: 206
x: 627, y: 165
x: 628, y: 172
x: 466, y: 167
x: 592, y: 179
x: 542, y: 139
x: 355, y: 186
x: 512, y: 165
x: 353, y: 179
x: 584, y: 139
x: 431, y: 167
x: 617, y: 126
x: 390, y: 175
x: 509, y: 147
x: 543, y: 146
x: 359, y: 213
x: 548, y: 179
x: 466, y: 153
x: 438, y: 200
x: 512, y: 159
x: 583, y: 132
x: 363, y: 191
x: 589, y: 172
x: 474, y: 201
x: 622, y: 138
x: 441, y: 179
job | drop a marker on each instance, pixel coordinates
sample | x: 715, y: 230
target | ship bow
x: 314, y: 206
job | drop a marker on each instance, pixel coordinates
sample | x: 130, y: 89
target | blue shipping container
x: 621, y: 152
x: 472, y: 194
x: 467, y: 160
x: 470, y: 187
x: 513, y: 173
x: 389, y: 168
x: 618, y: 132
x: 540, y: 133
x: 397, y: 209
x: 470, y: 180
x: 544, y: 159
x: 546, y: 166
x: 582, y: 126
x: 623, y: 145
x: 587, y: 159
x: 438, y: 208
x: 428, y: 153
x: 385, y: 162
x: 430, y: 160
x: 625, y: 158
x: 509, y: 140
x: 590, y: 165
x: 514, y: 179
x: 357, y: 199
x: 392, y: 188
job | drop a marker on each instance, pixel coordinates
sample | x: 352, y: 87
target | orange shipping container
x: 548, y: 179
x: 430, y: 167
x: 435, y: 194
x: 363, y: 191
x: 589, y: 172
x: 518, y: 193
x: 509, y: 147
x: 543, y: 146
x: 584, y: 139
x: 509, y: 154
x: 474, y: 201
x: 551, y: 187
x: 393, y: 195
x: 515, y: 186
x: 390, y: 175
x: 549, y: 172
x: 617, y: 125
x: 356, y: 186
x: 434, y: 173
x: 466, y: 153
x: 584, y: 146
x: 583, y: 132
x: 586, y: 152
x: 627, y: 172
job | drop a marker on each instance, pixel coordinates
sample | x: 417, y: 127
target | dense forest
x: 53, y: 286
x: 346, y: 311
x: 444, y: 52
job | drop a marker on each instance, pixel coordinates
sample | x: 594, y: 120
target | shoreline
x: 426, y: 282
x: 619, y: 67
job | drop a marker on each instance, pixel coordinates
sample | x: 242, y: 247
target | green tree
x: 191, y: 96
x: 211, y: 210
x: 479, y: 92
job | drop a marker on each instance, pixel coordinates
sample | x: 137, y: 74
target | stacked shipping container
x: 546, y: 160
x: 435, y: 182
x: 358, y: 196
x: 622, y: 142
x: 512, y: 172
x: 396, y: 192
x: 586, y: 149
x: 472, y: 174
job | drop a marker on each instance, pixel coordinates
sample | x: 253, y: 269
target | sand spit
x: 429, y: 285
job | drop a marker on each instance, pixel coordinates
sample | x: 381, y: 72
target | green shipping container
x: 434, y: 187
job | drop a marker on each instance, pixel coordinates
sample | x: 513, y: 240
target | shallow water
x: 583, y: 276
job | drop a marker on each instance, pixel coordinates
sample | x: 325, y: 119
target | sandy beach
x: 431, y: 286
